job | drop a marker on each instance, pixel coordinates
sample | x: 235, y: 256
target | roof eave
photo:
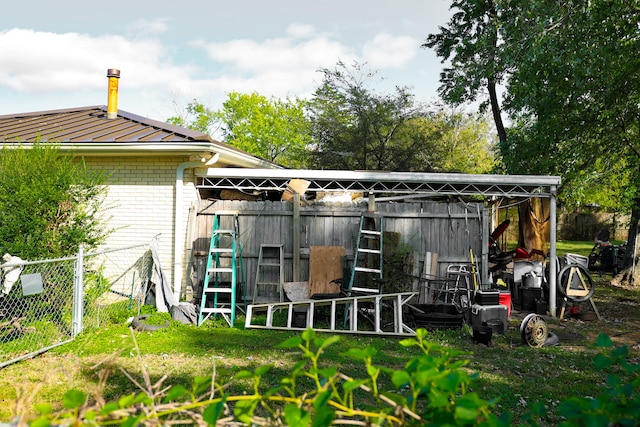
x: 228, y: 155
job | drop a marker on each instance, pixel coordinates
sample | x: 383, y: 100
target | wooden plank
x: 325, y: 265
x: 296, y: 238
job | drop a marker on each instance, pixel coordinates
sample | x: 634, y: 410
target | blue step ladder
x: 219, y: 292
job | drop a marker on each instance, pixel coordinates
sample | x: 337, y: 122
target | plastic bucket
x: 529, y: 297
x: 505, y: 299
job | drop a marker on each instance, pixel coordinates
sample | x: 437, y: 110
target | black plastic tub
x: 435, y: 316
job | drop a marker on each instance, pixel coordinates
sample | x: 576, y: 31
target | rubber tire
x: 138, y: 324
x: 562, y: 286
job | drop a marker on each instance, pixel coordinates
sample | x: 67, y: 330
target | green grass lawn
x: 564, y: 247
x: 583, y: 248
x: 108, y: 362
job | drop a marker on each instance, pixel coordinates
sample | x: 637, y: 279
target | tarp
x: 164, y: 297
x: 165, y: 301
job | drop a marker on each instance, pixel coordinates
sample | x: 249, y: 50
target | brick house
x: 152, y: 164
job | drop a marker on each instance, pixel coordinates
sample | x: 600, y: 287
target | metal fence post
x: 78, y: 292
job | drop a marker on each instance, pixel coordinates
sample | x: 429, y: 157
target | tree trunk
x: 533, y: 225
x: 495, y: 110
x: 630, y: 271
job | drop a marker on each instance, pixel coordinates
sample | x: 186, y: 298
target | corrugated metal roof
x: 90, y: 125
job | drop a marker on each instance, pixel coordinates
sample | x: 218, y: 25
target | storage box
x: 487, y: 297
x: 494, y: 316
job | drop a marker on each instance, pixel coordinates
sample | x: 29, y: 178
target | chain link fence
x: 116, y: 283
x: 44, y: 304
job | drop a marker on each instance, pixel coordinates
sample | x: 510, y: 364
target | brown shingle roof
x: 90, y: 125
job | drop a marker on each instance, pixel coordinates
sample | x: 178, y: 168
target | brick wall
x: 141, y: 203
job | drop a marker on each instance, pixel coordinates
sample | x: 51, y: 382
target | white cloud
x: 285, y: 66
x: 278, y: 53
x: 388, y: 51
x: 158, y: 69
x: 146, y: 28
x: 299, y: 31
x: 37, y: 62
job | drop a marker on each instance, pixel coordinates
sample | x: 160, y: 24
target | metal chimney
x: 112, y: 100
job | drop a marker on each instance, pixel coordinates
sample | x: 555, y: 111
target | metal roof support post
x: 484, y: 255
x: 552, y: 262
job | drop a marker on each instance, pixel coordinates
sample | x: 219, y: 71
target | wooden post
x: 429, y: 275
x: 296, y: 237
x: 372, y: 202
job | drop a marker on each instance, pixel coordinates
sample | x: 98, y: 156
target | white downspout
x: 178, y: 249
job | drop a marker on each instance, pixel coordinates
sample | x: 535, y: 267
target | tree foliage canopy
x: 356, y: 128
x: 571, y: 84
x: 570, y: 72
x: 197, y: 117
x: 273, y: 129
x: 575, y: 93
x: 348, y: 125
x: 469, y: 44
x: 48, y: 202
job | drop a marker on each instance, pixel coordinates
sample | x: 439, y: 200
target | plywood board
x: 295, y: 186
x: 325, y: 265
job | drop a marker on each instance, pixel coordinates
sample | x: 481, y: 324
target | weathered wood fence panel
x: 448, y: 229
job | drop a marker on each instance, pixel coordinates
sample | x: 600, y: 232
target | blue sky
x: 56, y: 54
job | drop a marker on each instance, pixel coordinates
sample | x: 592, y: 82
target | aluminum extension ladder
x: 383, y: 313
x: 269, y: 274
x: 368, y: 257
x: 219, y: 292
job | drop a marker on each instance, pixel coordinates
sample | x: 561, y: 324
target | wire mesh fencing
x: 116, y: 283
x: 46, y: 303
x: 36, y: 306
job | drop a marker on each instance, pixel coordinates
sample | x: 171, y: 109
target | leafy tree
x: 273, y: 129
x: 576, y: 92
x: 466, y: 141
x: 48, y: 202
x: 445, y: 141
x: 569, y: 70
x: 470, y: 43
x: 197, y: 117
x: 356, y: 128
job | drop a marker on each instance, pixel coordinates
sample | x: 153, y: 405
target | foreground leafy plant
x: 433, y: 388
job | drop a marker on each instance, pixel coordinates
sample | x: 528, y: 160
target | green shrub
x: 48, y: 202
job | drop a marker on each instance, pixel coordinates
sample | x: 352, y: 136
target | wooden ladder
x: 221, y: 278
x: 269, y: 274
